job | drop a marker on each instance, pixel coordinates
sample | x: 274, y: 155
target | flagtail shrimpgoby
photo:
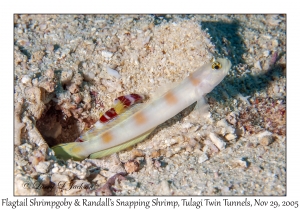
x: 135, y: 124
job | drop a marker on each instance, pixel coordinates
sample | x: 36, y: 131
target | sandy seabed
x: 68, y: 69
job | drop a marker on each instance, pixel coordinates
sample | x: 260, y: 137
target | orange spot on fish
x: 106, y: 137
x: 195, y: 81
x: 140, y: 118
x: 170, y: 98
x: 76, y: 149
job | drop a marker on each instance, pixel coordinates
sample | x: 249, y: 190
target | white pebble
x: 43, y: 26
x: 128, y: 20
x: 157, y: 164
x: 225, y: 189
x: 240, y: 131
x: 146, y: 40
x: 187, y: 125
x: 231, y: 118
x: 266, y: 53
x: 202, y: 158
x: 257, y: 65
x: 211, y: 146
x: 263, y: 133
x: 242, y: 162
x: 89, y: 76
x: 26, y: 79
x: 274, y: 43
x: 59, y: 178
x: 223, y: 123
x: 88, y: 42
x: 113, y: 72
x: 217, y: 141
x: 66, y: 76
x: 266, y: 66
x: 55, y: 170
x: 230, y: 136
x: 266, y: 140
x: 276, y: 89
x: 177, y: 149
x: 44, y: 179
x: 42, y: 167
x: 176, y: 139
x: 107, y: 54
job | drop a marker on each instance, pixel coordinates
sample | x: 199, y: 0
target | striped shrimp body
x: 135, y: 127
x: 121, y: 104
